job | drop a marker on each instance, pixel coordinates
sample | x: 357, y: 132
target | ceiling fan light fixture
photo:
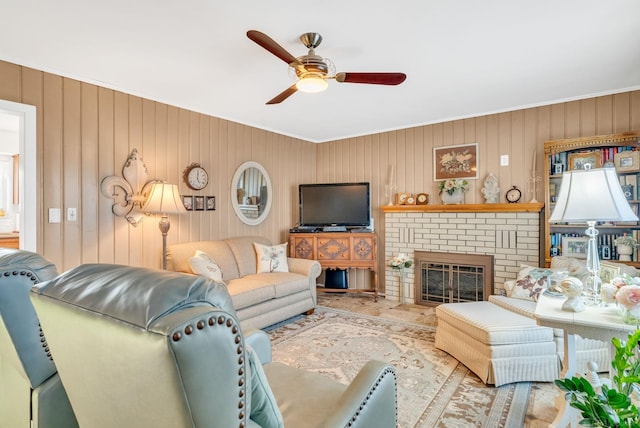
x: 311, y: 84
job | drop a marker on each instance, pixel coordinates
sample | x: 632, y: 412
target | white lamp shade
x: 164, y: 198
x: 591, y: 195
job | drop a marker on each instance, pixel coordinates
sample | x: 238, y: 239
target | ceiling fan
x: 313, y: 71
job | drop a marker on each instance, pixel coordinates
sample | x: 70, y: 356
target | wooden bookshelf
x: 605, y: 150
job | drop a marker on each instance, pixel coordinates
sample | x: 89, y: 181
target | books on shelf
x: 559, y: 162
x: 606, y: 246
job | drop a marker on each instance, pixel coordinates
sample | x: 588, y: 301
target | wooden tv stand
x: 339, y: 250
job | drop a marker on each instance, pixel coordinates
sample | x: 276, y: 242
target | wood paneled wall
x: 86, y: 132
x: 518, y: 134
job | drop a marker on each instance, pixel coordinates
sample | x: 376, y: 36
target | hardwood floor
x: 541, y: 409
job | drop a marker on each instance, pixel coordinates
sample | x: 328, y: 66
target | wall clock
x: 513, y: 195
x: 195, y: 177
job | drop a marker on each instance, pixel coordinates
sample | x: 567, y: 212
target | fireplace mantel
x: 535, y: 207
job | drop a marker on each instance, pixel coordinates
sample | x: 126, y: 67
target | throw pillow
x: 264, y: 409
x: 530, y: 283
x: 202, y: 264
x: 271, y: 259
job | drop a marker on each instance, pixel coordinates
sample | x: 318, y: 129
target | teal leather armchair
x: 140, y: 348
x: 31, y: 394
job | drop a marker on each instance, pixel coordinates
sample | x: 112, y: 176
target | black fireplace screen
x: 447, y: 282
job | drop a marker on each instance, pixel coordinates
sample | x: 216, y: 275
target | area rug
x: 434, y: 389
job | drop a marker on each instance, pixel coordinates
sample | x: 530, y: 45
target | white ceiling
x: 463, y: 58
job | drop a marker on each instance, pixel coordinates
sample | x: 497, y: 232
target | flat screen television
x: 335, y: 204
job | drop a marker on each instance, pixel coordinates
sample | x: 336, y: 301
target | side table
x: 603, y: 323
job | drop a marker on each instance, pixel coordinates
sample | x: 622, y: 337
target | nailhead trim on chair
x: 377, y: 384
x: 34, y: 279
x: 235, y: 329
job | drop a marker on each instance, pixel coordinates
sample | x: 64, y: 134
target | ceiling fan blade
x: 283, y: 95
x: 269, y: 44
x: 372, y: 78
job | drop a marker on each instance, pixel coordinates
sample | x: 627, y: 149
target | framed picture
x: 211, y: 203
x: 574, y: 247
x: 608, y: 271
x: 579, y: 160
x: 627, y: 161
x: 198, y: 203
x: 628, y: 191
x: 187, y: 201
x: 455, y: 162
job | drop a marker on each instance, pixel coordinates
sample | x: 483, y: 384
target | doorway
x: 19, y: 122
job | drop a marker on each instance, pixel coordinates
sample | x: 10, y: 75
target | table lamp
x: 591, y: 195
x: 164, y: 199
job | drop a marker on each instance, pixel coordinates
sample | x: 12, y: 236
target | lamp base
x: 591, y: 294
x: 164, y: 225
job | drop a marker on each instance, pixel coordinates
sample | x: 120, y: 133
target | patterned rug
x: 434, y: 390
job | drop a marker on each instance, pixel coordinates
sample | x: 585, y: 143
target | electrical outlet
x: 504, y: 160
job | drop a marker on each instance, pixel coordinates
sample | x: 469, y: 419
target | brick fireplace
x: 510, y: 233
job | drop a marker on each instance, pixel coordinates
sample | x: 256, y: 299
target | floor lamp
x: 591, y: 195
x: 164, y: 199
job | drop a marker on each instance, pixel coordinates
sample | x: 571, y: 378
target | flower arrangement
x: 628, y: 296
x: 453, y: 184
x: 625, y: 291
x: 610, y: 290
x: 401, y: 261
x: 625, y: 239
x: 612, y: 406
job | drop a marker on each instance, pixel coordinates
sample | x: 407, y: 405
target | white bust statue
x: 491, y: 190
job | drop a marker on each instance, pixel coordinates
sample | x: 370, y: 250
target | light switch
x: 54, y: 215
x: 504, y: 160
x: 72, y: 214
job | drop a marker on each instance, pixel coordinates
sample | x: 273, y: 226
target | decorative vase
x: 457, y: 197
x: 402, y: 277
x: 624, y: 252
x: 629, y: 317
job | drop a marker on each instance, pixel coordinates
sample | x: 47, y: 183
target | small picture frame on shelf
x: 575, y: 247
x: 211, y: 203
x: 580, y: 159
x: 187, y: 201
x: 558, y: 168
x: 627, y: 161
x: 198, y: 203
x: 608, y: 271
x: 627, y: 191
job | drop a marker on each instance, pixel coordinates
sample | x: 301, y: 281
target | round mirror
x: 251, y: 193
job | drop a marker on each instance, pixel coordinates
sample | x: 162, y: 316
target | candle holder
x: 533, y: 186
x: 389, y: 191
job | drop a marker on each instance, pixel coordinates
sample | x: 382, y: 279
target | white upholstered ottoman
x: 498, y: 345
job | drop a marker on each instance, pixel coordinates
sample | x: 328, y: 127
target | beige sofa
x: 260, y: 299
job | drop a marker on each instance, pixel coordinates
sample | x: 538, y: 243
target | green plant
x: 612, y: 407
